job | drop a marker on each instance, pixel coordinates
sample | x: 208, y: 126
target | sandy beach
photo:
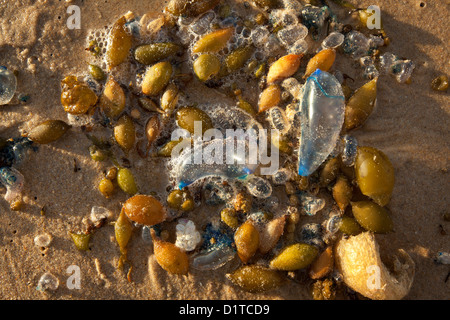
x: 411, y: 124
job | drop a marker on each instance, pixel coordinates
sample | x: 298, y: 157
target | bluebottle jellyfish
x: 322, y: 109
x: 13, y: 180
x: 227, y: 158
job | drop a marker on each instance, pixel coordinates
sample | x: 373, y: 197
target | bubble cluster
x: 8, y: 85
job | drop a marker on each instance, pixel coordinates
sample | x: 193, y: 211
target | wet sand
x: 410, y: 124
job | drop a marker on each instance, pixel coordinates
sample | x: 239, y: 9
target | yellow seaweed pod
x: 126, y: 181
x: 360, y: 105
x: 81, y: 240
x: 374, y: 174
x: 156, y: 78
x: 214, y: 41
x: 120, y: 42
x: 125, y: 132
x: 322, y: 60
x: 180, y: 200
x: 122, y: 230
x: 106, y: 187
x: 246, y: 239
x: 372, y: 217
x: 206, y: 66
x: 48, y: 131
x: 295, y: 256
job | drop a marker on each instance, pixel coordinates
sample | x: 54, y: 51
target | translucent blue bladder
x: 322, y: 109
x: 226, y: 158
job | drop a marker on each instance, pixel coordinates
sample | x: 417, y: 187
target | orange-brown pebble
x: 169, y: 256
x: 323, y: 265
x: 322, y: 60
x: 270, y: 97
x: 284, y: 67
x: 270, y: 234
x: 145, y: 210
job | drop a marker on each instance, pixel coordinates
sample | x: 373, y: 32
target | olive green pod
x: 229, y: 217
x: 80, y: 240
x: 151, y: 53
x: 180, y: 200
x: 295, y: 256
x: 237, y: 58
x: 350, y: 226
x: 281, y: 142
x: 48, y: 131
x: 360, y: 105
x: 372, y: 217
x: 186, y: 118
x: 123, y: 230
x: 166, y: 150
x: 255, y: 278
x: 126, y: 182
x: 206, y: 66
x: 246, y: 106
x: 374, y: 174
x: 156, y: 78
x: 125, y: 133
